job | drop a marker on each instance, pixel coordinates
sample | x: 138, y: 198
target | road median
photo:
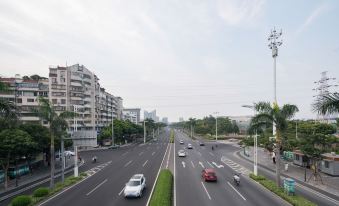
x: 163, y: 192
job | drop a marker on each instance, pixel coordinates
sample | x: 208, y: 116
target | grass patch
x: 295, y: 200
x: 162, y: 195
x: 172, y: 136
x: 41, y: 194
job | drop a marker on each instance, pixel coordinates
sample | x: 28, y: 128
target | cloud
x: 237, y: 12
x: 312, y: 17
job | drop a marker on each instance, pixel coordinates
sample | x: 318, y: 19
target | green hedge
x: 162, y: 195
x: 295, y: 200
x: 22, y: 200
x: 172, y: 136
x: 41, y: 192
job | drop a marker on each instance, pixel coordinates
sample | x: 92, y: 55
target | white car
x: 135, y: 186
x: 189, y: 146
x: 181, y: 141
x: 69, y: 153
x: 181, y: 153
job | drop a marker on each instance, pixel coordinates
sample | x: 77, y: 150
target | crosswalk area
x: 97, y: 168
x: 235, y: 166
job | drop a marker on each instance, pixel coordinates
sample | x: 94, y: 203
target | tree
x: 57, y: 126
x: 13, y: 145
x: 268, y: 114
x: 328, y: 103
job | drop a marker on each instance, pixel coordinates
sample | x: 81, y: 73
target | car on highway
x: 181, y: 153
x: 181, y: 141
x: 189, y: 146
x: 135, y: 186
x: 201, y: 144
x: 208, y: 175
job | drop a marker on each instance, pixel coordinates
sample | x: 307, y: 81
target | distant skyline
x: 182, y: 58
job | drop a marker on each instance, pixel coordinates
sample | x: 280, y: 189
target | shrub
x: 41, y: 192
x: 162, y: 195
x: 22, y: 200
x: 257, y: 177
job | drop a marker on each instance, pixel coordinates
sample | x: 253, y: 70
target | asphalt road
x: 192, y: 190
x: 228, y: 151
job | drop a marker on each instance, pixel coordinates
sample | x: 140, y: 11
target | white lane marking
x: 153, y: 153
x: 128, y: 163
x: 236, y: 190
x: 124, y: 154
x: 192, y: 164
x: 210, y: 164
x: 149, y: 198
x: 143, y: 165
x: 121, y: 191
x: 218, y: 166
x: 103, y: 182
x: 209, y: 197
x: 211, y: 153
x: 183, y: 164
x: 168, y: 157
x: 141, y: 153
x: 200, y: 163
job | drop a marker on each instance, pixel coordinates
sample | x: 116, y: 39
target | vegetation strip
x: 163, y: 192
x: 172, y: 136
x: 295, y: 200
x: 43, y: 193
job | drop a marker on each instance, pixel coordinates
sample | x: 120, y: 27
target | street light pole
x: 216, y: 125
x: 144, y: 132
x: 255, y: 149
x: 76, y: 169
x: 113, y: 130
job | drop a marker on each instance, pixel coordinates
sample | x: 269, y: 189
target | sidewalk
x: 330, y: 183
x: 38, y: 174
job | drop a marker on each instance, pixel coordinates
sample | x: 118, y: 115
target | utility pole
x: 216, y: 125
x: 76, y: 169
x: 274, y: 43
x: 144, y: 132
x: 113, y: 143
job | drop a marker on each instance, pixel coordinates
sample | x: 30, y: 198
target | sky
x: 183, y: 58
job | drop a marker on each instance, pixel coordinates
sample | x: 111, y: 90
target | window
x: 30, y: 100
x: 63, y: 101
x: 327, y: 164
x: 54, y: 80
x: 297, y: 157
x: 54, y: 101
x: 19, y: 101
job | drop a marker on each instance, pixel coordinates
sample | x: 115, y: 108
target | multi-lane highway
x: 108, y: 176
x: 192, y: 190
x: 113, y: 169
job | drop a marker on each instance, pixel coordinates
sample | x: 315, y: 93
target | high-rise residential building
x: 24, y: 93
x: 164, y: 120
x: 151, y: 115
x: 132, y: 114
x: 181, y: 119
x: 76, y: 88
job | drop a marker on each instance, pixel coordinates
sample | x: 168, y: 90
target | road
x: 191, y: 190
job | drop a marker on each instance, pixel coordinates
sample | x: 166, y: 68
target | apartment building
x: 151, y: 115
x: 25, y: 93
x: 132, y: 114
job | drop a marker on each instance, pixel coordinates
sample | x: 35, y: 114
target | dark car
x: 201, y: 144
x: 209, y: 175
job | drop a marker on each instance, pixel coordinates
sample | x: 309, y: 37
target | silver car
x: 135, y: 186
x: 181, y: 153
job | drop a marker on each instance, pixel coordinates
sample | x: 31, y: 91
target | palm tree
x: 57, y: 126
x: 329, y: 103
x: 268, y: 114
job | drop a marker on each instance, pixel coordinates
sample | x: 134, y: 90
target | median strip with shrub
x: 43, y: 193
x: 295, y: 200
x: 162, y: 195
x: 172, y: 136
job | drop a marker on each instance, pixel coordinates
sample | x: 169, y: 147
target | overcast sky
x: 184, y: 58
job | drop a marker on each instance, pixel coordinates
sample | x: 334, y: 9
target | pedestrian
x: 273, y: 157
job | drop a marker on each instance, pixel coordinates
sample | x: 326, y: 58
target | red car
x: 208, y: 175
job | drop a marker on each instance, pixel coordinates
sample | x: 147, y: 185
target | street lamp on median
x: 145, y: 131
x: 113, y: 129
x: 255, y: 151
x: 216, y: 125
